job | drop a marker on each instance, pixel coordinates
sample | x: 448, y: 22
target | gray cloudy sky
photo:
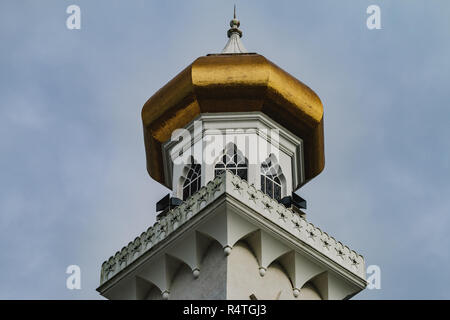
x: 74, y: 188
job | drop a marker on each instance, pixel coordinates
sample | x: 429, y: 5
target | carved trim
x: 265, y: 206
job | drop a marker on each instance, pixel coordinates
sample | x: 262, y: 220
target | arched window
x: 233, y: 160
x: 193, y: 180
x: 271, y: 178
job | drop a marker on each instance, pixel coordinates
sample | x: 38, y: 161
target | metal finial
x: 234, y: 44
x: 234, y: 24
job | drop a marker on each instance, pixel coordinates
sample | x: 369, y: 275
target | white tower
x: 233, y: 136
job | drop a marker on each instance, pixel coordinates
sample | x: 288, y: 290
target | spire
x: 234, y: 44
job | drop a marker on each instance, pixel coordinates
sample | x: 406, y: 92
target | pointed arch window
x: 271, y: 178
x: 192, y: 183
x: 233, y: 160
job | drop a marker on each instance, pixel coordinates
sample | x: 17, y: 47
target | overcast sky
x: 73, y: 184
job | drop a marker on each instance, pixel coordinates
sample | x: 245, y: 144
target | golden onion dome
x: 234, y: 83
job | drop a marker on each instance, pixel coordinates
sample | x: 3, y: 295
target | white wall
x: 206, y: 138
x: 233, y: 277
x: 244, y: 279
x: 211, y: 284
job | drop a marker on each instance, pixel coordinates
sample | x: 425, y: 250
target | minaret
x: 233, y: 136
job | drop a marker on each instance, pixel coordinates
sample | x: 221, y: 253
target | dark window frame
x: 192, y: 182
x: 271, y: 179
x: 232, y: 159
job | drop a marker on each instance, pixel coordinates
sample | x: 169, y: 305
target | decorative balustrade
x: 256, y: 200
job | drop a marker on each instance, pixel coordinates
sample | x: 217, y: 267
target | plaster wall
x: 254, y: 137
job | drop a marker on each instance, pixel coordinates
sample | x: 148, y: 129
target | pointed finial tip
x: 234, y: 44
x: 235, y: 22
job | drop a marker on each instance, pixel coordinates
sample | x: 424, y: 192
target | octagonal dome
x: 234, y: 83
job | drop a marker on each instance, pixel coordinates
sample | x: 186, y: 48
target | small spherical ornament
x: 196, y: 273
x: 262, y: 271
x: 165, y: 295
x: 296, y: 292
x: 235, y: 22
x: 227, y: 250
